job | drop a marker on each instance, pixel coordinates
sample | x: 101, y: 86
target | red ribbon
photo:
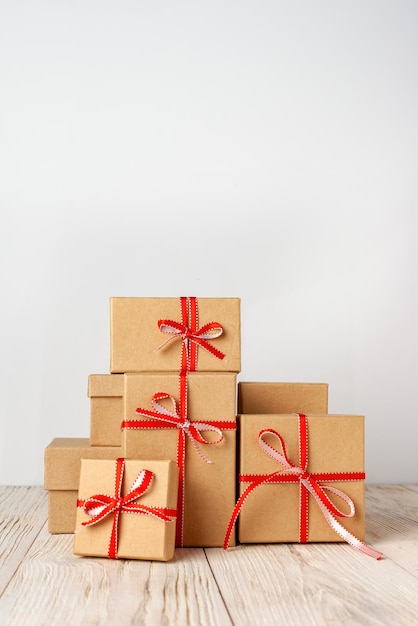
x: 161, y: 417
x: 192, y: 337
x: 99, y: 506
x: 309, y: 483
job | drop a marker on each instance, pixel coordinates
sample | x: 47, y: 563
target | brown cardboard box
x: 258, y: 397
x: 62, y: 509
x: 62, y: 474
x: 106, y: 409
x: 210, y: 489
x: 140, y: 536
x: 136, y: 340
x: 271, y: 512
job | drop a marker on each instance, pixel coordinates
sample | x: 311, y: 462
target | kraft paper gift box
x: 62, y: 474
x: 106, y: 409
x: 272, y: 512
x: 157, y: 334
x: 209, y: 489
x: 277, y: 397
x: 127, y: 509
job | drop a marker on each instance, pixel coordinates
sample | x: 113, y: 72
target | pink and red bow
x: 99, y: 506
x: 191, y: 335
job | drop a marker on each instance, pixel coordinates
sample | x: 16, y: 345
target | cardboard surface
x: 210, y: 489
x: 140, y: 536
x: 136, y: 338
x: 62, y: 461
x: 276, y: 397
x: 106, y: 415
x: 62, y: 509
x: 271, y: 512
x: 106, y: 409
x: 105, y: 385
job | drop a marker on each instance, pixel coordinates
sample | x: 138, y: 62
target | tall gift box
x: 191, y: 419
x: 284, y: 461
x: 106, y: 409
x: 277, y: 397
x: 173, y: 334
x: 62, y: 474
x: 127, y: 509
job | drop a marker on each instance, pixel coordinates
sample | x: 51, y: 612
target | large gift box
x: 277, y: 397
x: 62, y: 474
x: 127, y: 509
x: 297, y: 475
x: 106, y: 409
x: 191, y: 419
x: 173, y: 334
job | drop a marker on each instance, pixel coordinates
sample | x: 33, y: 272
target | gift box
x: 284, y: 461
x: 127, y: 509
x: 276, y: 397
x: 189, y: 418
x: 106, y: 409
x: 173, y: 334
x: 62, y: 474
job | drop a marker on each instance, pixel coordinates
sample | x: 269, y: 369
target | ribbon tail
x: 237, y: 511
x: 343, y: 532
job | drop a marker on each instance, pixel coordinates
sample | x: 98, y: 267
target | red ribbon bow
x: 99, y: 506
x: 187, y: 330
x: 161, y: 417
x: 309, y: 483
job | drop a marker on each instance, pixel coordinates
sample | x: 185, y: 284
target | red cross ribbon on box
x: 309, y: 483
x: 177, y: 418
x: 99, y: 506
x: 191, y: 335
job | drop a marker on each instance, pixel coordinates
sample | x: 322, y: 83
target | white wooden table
x: 42, y: 582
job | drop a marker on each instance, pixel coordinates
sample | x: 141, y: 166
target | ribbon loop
x: 177, y: 418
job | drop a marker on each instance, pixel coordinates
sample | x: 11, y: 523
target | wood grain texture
x: 319, y: 584
x: 43, y: 583
x: 411, y: 486
x: 392, y: 523
x: 23, y: 512
x: 56, y: 587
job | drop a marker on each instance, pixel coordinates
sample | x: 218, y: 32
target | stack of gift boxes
x: 181, y: 454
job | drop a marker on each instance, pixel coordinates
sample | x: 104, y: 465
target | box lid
x: 105, y: 385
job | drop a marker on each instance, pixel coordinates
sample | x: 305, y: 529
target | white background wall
x: 260, y: 149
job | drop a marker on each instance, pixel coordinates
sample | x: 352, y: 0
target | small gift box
x: 106, y: 409
x: 191, y: 419
x: 275, y: 398
x: 127, y: 509
x: 173, y: 334
x: 62, y: 475
x: 301, y: 480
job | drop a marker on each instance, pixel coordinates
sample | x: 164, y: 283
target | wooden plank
x: 322, y: 583
x: 413, y: 487
x: 316, y: 584
x: 392, y: 523
x: 23, y: 511
x: 55, y: 587
x: 44, y: 583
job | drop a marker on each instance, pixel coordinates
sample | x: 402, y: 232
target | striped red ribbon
x: 309, y: 483
x: 99, y: 506
x: 177, y: 418
x: 191, y: 335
